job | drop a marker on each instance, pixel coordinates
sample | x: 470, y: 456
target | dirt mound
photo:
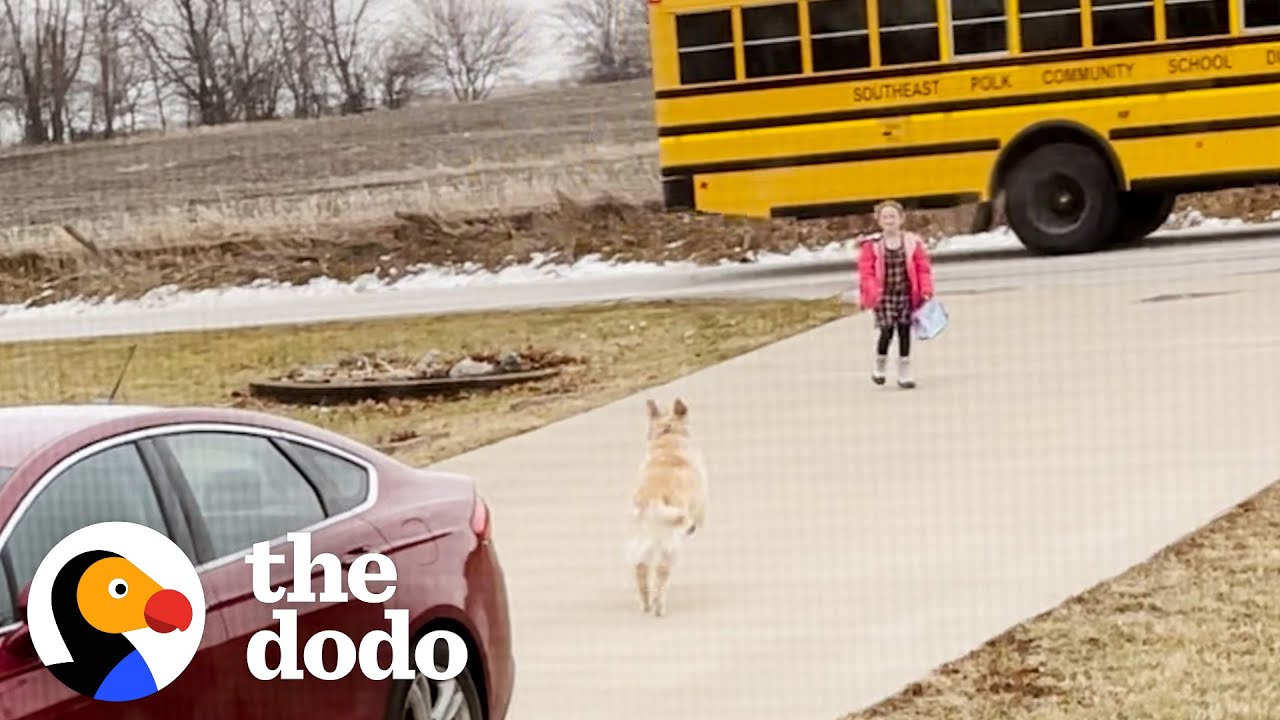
x: 563, y: 234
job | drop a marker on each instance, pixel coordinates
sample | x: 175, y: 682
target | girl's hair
x: 890, y: 204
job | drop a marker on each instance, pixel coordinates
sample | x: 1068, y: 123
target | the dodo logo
x: 116, y: 611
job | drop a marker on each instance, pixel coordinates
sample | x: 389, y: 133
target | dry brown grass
x: 1193, y: 633
x: 624, y: 349
x: 509, y: 151
x: 337, y: 206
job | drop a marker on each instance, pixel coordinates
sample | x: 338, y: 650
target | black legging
x: 904, y: 340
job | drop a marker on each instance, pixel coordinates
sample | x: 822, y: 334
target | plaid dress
x: 895, y: 303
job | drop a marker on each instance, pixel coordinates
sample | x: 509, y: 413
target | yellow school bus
x: 1089, y: 116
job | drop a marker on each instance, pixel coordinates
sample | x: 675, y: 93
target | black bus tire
x: 1062, y: 199
x: 1142, y: 213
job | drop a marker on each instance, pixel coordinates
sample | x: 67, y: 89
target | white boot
x: 904, y: 373
x: 878, y: 372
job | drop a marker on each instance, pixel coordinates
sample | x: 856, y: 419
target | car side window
x: 110, y: 485
x: 349, y: 481
x: 245, y: 489
x: 8, y: 598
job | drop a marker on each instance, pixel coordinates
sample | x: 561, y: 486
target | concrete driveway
x: 861, y: 536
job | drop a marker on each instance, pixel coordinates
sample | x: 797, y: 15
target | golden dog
x: 669, y: 504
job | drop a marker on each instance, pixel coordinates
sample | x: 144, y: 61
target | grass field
x: 620, y: 350
x: 420, y: 151
x: 1192, y: 634
x: 299, y: 176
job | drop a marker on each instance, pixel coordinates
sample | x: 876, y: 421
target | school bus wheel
x: 1142, y: 213
x: 1062, y: 199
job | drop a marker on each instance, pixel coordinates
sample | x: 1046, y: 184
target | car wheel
x: 1062, y: 199
x: 425, y: 699
x: 1142, y: 213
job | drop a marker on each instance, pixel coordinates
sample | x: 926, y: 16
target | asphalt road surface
x: 1158, y: 260
x: 860, y: 536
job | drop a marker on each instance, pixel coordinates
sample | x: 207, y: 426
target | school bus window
x: 908, y: 32
x: 1050, y: 24
x: 1196, y: 18
x: 771, y: 40
x: 1261, y: 13
x: 705, y: 44
x: 838, y: 34
x: 1116, y: 22
x: 978, y: 27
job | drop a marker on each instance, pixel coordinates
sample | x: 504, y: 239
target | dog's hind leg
x: 639, y: 555
x: 642, y: 586
x: 666, y: 560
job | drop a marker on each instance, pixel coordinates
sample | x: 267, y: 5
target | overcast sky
x: 546, y: 63
x: 550, y: 62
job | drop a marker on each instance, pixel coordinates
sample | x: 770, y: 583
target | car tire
x: 1140, y: 214
x: 1062, y: 199
x: 425, y: 699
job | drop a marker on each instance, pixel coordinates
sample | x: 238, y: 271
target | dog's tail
x: 658, y: 531
x: 660, y: 513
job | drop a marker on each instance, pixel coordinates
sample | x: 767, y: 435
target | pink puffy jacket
x: 871, y: 271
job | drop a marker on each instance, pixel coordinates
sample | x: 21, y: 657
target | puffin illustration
x: 97, y: 597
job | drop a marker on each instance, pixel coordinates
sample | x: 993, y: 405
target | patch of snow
x: 1001, y: 238
x: 421, y: 277
x: 1193, y: 218
x: 840, y: 250
x: 540, y: 268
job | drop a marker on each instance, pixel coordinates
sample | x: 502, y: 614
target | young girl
x: 895, y: 278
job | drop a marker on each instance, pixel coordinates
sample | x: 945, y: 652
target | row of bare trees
x: 72, y: 69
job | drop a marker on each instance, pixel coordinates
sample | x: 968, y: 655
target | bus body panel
x: 1037, y: 78
x: 948, y: 164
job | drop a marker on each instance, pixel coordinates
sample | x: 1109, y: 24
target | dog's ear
x: 679, y: 408
x: 654, y: 412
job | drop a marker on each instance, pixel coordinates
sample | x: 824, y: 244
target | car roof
x: 27, y: 428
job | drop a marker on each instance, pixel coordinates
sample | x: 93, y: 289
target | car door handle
x: 350, y: 556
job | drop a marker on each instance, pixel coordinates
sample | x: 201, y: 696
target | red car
x: 217, y: 481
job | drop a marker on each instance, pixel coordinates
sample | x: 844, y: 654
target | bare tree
x: 10, y: 85
x: 470, y: 44
x: 249, y: 61
x: 340, y: 25
x: 184, y: 39
x: 64, y: 41
x: 155, y: 78
x: 301, y: 55
x: 117, y: 84
x: 399, y: 69
x: 220, y: 57
x: 27, y: 58
x: 608, y: 38
x: 47, y: 46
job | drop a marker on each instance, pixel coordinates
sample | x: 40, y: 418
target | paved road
x: 861, y: 536
x: 1172, y: 257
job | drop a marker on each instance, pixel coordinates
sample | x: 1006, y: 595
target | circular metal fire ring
x: 326, y: 393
